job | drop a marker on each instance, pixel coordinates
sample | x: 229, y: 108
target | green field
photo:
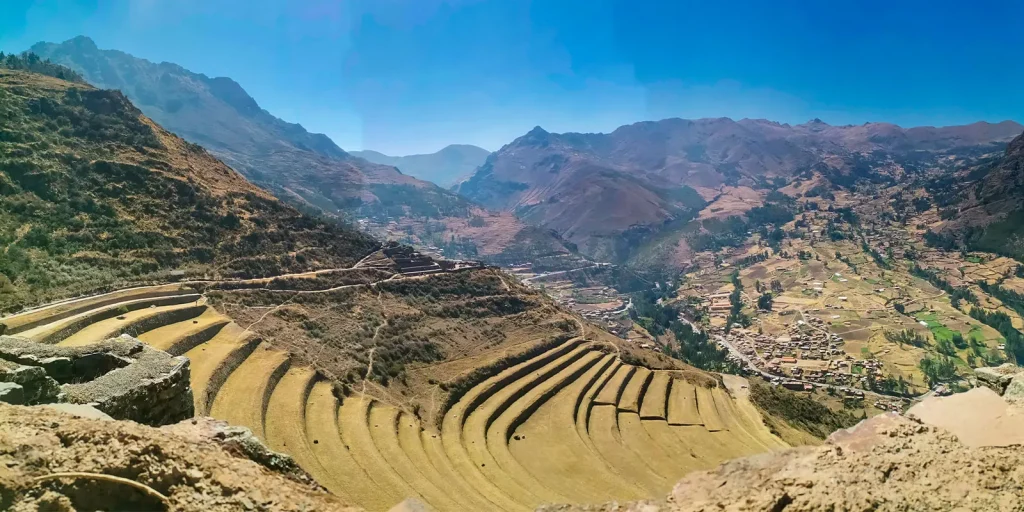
x: 976, y: 334
x: 939, y: 331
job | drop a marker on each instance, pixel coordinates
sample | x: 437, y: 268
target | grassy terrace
x: 568, y: 422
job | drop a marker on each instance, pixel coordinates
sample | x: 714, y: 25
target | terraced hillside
x: 572, y: 422
x: 95, y: 196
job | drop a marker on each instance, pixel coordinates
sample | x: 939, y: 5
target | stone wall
x: 122, y: 377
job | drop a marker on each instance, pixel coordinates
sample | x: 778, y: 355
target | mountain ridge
x: 593, y: 187
x: 305, y: 168
x: 96, y: 194
x: 444, y: 167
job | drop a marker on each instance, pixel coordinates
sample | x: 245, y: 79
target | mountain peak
x: 82, y: 42
x: 537, y: 135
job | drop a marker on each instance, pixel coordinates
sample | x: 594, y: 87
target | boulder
x: 37, y: 386
x: 122, y: 377
x: 997, y: 377
x: 79, y: 410
x: 240, y: 442
x: 979, y: 417
x: 12, y: 393
x: 1015, y: 390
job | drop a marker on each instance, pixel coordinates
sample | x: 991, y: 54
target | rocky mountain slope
x: 221, y: 116
x: 305, y: 169
x: 1007, y: 177
x: 982, y: 205
x: 444, y: 168
x: 94, y: 194
x: 596, y: 188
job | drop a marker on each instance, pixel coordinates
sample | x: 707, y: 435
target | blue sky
x: 408, y: 76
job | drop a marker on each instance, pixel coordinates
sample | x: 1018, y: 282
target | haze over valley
x: 644, y: 269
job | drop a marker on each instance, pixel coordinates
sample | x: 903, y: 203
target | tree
x: 765, y: 302
x: 959, y: 341
x: 940, y: 369
x: 945, y: 347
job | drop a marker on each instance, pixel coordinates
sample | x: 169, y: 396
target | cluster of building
x: 718, y: 304
x: 807, y: 353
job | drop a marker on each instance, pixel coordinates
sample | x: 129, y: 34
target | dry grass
x: 561, y: 423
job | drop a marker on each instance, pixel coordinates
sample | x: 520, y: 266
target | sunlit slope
x: 573, y: 423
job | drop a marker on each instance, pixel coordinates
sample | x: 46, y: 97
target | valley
x: 580, y: 318
x: 840, y: 287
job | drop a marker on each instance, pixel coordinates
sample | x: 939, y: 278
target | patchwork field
x: 860, y: 299
x: 547, y: 421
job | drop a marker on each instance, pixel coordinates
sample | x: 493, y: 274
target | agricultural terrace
x: 537, y: 413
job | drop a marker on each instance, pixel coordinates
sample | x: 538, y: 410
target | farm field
x: 834, y: 288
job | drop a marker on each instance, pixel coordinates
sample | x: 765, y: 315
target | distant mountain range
x: 612, y: 193
x: 444, y: 168
x: 621, y: 197
x: 306, y: 169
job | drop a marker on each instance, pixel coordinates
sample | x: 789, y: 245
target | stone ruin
x: 122, y: 377
x: 1007, y: 380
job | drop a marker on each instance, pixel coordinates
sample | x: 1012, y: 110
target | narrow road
x: 560, y: 272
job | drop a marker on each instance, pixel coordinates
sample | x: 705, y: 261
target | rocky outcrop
x: 35, y: 385
x: 241, y: 442
x: 51, y: 460
x: 997, y: 378
x: 121, y: 377
x: 12, y: 393
x: 888, y: 462
x: 1006, y: 380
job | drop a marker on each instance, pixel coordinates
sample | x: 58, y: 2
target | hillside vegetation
x: 644, y: 194
x: 798, y: 410
x: 92, y: 193
x: 306, y: 170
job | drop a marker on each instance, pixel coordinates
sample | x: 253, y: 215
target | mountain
x: 610, y: 193
x: 445, y: 167
x: 1005, y: 181
x: 93, y: 193
x: 305, y: 168
x: 981, y: 207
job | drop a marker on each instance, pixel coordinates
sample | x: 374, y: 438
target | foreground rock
x: 977, y: 418
x: 997, y: 378
x: 171, y: 468
x: 122, y: 377
x: 888, y: 462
